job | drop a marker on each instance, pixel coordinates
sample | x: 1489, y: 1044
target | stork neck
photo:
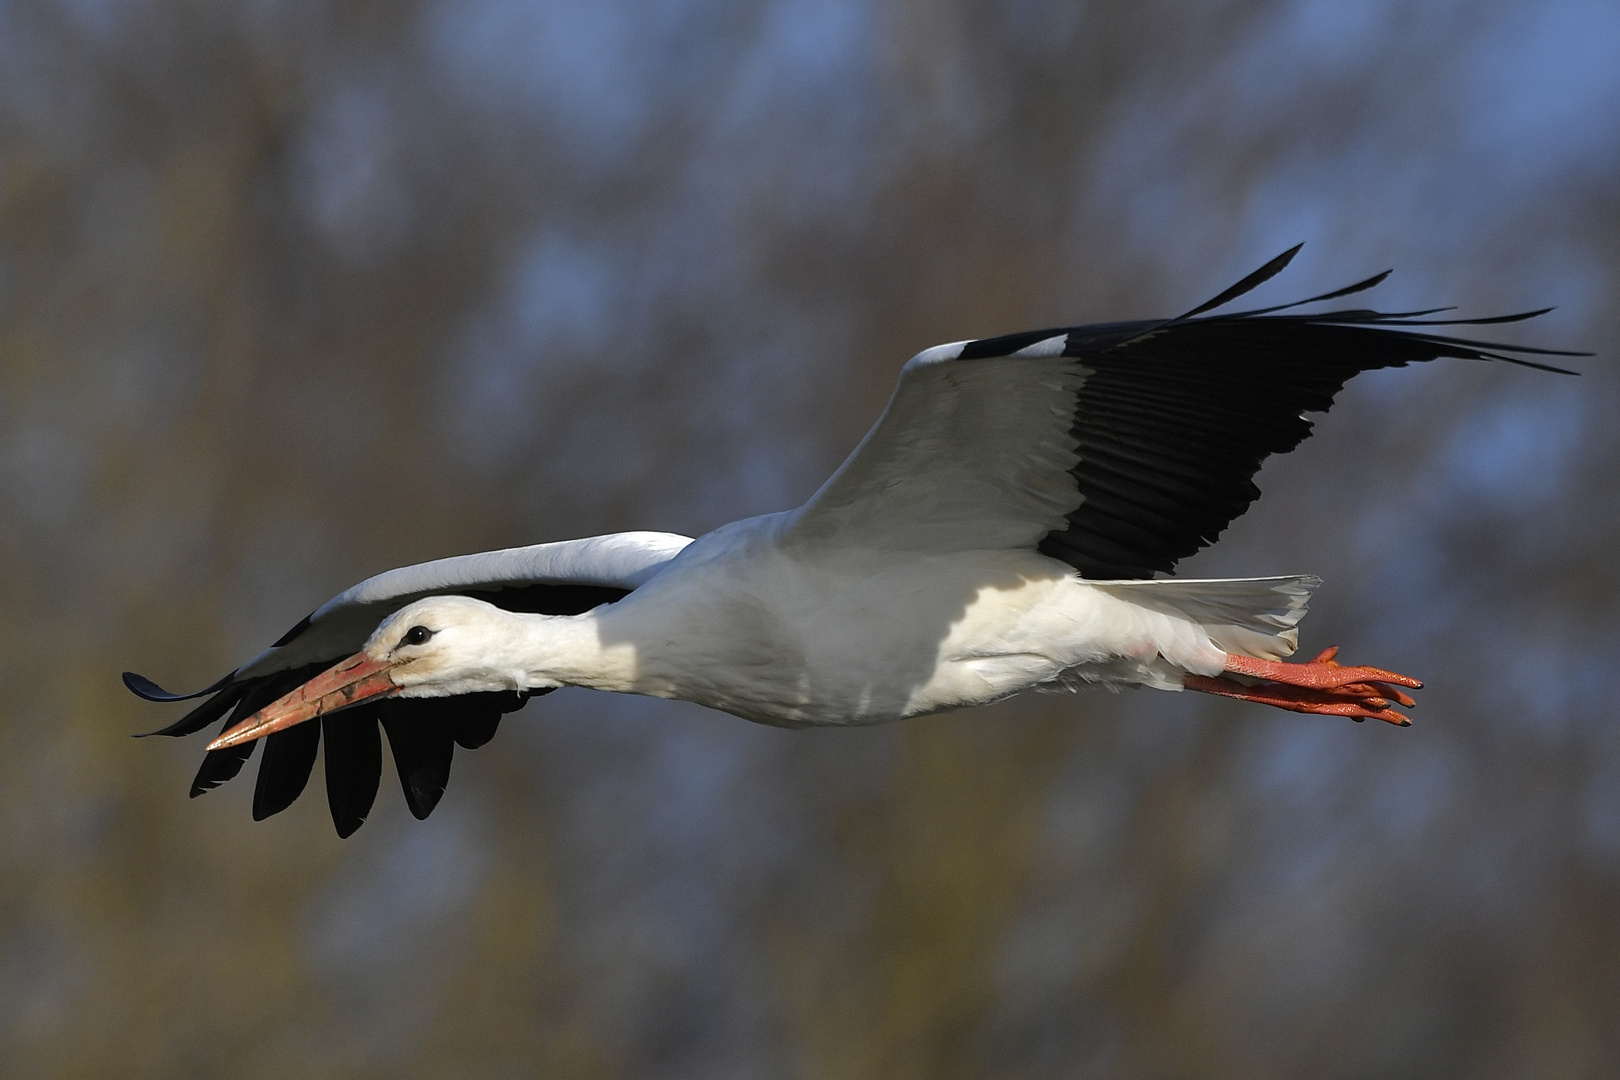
x: 569, y: 650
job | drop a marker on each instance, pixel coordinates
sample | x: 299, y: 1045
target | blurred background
x: 294, y: 291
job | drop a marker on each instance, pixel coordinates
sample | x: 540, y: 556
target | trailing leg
x: 1322, y: 686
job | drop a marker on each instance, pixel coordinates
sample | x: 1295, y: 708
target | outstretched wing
x: 972, y: 452
x: 1119, y: 448
x: 564, y: 578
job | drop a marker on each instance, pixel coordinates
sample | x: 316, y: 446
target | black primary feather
x: 142, y: 687
x: 353, y: 766
x: 1253, y: 281
x: 204, y: 714
x: 289, y: 758
x: 423, y: 747
x: 219, y: 766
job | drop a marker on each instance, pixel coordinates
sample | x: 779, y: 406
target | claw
x: 1319, y: 674
x: 1323, y: 686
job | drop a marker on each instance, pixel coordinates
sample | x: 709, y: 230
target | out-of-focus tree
x: 294, y: 292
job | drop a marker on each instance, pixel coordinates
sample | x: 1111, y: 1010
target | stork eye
x: 416, y: 635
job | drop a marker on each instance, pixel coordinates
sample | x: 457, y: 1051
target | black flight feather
x: 219, y: 766
x: 353, y: 766
x: 422, y: 746
x: 204, y: 714
x: 1175, y: 417
x: 1254, y: 280
x: 289, y: 758
x: 142, y: 687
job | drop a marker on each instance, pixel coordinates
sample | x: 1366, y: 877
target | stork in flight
x: 997, y: 531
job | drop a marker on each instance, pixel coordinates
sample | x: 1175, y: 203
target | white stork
x: 997, y: 531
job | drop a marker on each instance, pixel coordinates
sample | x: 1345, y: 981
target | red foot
x: 1322, y: 686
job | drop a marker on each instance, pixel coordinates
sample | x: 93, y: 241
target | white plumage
x: 338, y: 627
x: 753, y: 620
x: 998, y: 530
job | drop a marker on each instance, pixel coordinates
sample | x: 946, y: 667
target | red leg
x: 1322, y: 686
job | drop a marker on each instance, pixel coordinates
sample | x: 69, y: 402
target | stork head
x: 443, y: 646
x: 438, y: 647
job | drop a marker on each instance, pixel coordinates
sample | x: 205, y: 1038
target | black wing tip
x: 1378, y: 318
x: 147, y: 690
x: 1415, y: 318
x: 423, y: 793
x: 221, y: 766
x: 1349, y: 290
x: 303, y: 624
x: 204, y: 714
x: 285, y: 768
x: 1386, y: 320
x: 1553, y: 369
x: 353, y: 749
x: 424, y: 789
x: 1252, y: 281
x: 1152, y: 491
x: 1519, y: 317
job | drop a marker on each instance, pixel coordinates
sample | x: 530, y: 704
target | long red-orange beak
x: 350, y: 681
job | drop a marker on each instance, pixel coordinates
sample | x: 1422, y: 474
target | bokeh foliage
x: 292, y: 291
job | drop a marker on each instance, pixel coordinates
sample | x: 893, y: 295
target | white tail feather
x: 1256, y: 617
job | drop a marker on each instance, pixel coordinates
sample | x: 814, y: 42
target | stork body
x: 741, y: 622
x: 999, y: 529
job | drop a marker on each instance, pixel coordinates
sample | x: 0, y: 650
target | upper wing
x: 564, y: 578
x: 1118, y: 448
x: 571, y: 574
x: 971, y: 452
